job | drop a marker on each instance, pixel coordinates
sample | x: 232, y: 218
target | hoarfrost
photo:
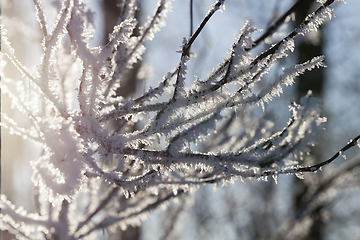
x: 210, y: 131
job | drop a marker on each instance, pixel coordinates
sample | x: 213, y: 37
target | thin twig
x: 274, y: 26
x: 191, y: 17
x: 316, y: 167
x: 187, y: 46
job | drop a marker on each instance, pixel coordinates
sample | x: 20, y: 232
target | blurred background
x: 324, y: 205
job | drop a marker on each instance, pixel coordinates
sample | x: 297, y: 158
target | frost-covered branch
x: 204, y: 132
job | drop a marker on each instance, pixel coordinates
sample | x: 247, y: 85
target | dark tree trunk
x: 314, y: 81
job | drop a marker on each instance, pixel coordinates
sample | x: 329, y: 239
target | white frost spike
x: 195, y: 133
x: 299, y: 175
x: 241, y: 57
x: 216, y: 6
x: 275, y: 177
x: 287, y: 79
x: 41, y: 17
x: 244, y: 38
x: 321, y: 1
x: 121, y: 33
x: 180, y: 83
x: 154, y: 24
x: 275, y: 88
x: 314, y: 21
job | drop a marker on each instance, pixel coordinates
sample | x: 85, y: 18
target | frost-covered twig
x: 318, y: 166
